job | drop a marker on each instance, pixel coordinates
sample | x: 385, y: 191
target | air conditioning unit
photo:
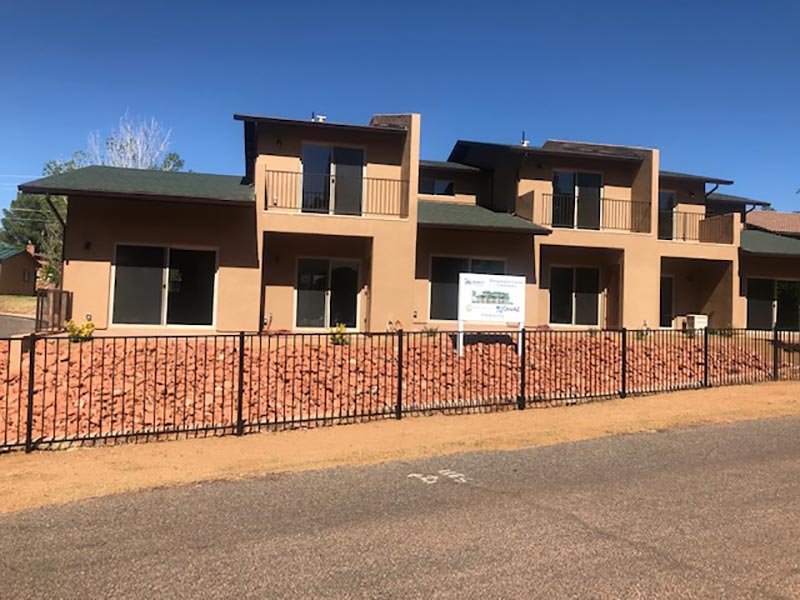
x: 696, y: 321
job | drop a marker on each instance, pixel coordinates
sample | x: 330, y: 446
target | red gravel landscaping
x: 120, y: 387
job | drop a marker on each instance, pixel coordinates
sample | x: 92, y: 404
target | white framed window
x: 161, y: 285
x: 444, y: 274
x: 326, y: 293
x: 575, y: 296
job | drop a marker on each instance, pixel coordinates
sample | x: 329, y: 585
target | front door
x: 667, y: 309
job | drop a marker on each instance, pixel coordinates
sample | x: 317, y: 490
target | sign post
x: 490, y: 299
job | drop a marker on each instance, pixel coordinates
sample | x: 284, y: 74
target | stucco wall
x: 96, y: 225
x: 515, y: 249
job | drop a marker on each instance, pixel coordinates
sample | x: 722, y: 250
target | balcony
x: 695, y: 227
x: 327, y: 194
x: 594, y: 213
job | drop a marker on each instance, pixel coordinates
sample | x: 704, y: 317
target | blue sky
x: 715, y: 86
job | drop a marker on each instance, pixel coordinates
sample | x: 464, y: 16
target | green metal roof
x: 763, y: 242
x: 7, y: 251
x: 470, y: 216
x: 116, y: 181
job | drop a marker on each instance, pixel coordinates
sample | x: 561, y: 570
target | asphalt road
x: 15, y: 325
x: 708, y: 513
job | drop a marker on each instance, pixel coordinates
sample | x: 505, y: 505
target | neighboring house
x: 17, y: 270
x: 770, y: 269
x: 336, y: 223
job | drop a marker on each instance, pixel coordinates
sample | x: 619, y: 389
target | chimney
x: 31, y: 249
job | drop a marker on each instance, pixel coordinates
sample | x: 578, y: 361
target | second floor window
x: 437, y: 187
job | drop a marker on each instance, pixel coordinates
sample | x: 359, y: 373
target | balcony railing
x: 694, y: 227
x: 600, y: 214
x: 339, y: 195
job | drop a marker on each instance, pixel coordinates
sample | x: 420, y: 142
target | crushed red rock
x: 121, y: 387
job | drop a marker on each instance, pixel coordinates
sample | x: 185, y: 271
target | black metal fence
x: 54, y: 391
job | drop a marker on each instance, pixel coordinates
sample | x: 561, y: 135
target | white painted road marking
x: 448, y: 473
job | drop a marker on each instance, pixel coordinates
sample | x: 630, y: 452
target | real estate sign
x: 491, y: 298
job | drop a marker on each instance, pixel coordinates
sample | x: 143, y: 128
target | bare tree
x: 136, y: 144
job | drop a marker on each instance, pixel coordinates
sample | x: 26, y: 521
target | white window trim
x: 164, y: 288
x: 572, y: 323
x: 327, y: 326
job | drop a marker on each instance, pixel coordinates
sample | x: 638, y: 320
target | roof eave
x: 28, y: 189
x: 320, y: 125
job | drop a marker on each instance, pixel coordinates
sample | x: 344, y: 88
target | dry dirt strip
x: 43, y: 478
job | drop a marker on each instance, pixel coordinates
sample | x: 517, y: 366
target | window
x: 155, y: 285
x: 444, y: 282
x: 574, y: 296
x: 437, y: 187
x: 772, y: 303
x: 666, y: 214
x: 327, y: 293
x: 577, y: 199
x: 333, y: 179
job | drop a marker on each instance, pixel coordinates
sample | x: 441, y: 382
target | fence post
x: 775, y: 364
x: 240, y: 393
x: 624, y: 388
x: 399, y: 406
x: 31, y: 378
x: 523, y: 366
x: 705, y: 356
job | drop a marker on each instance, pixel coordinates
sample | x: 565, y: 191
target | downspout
x: 63, y: 236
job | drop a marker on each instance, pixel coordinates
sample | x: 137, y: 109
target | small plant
x: 339, y: 335
x: 593, y: 331
x: 79, y: 333
x: 642, y: 334
x: 690, y: 333
x: 430, y: 331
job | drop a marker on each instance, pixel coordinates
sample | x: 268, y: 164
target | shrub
x: 79, y: 333
x: 339, y: 335
x: 430, y: 331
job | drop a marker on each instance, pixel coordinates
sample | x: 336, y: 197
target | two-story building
x: 344, y: 224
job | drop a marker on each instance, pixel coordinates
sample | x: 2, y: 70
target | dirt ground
x: 43, y: 478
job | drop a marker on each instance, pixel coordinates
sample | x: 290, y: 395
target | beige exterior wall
x: 258, y: 245
x: 97, y: 225
x: 637, y: 272
x: 18, y: 275
x: 515, y: 249
x: 392, y: 238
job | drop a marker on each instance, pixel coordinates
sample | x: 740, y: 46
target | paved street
x: 15, y: 325
x: 705, y: 512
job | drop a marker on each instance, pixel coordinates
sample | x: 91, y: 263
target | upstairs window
x: 437, y: 187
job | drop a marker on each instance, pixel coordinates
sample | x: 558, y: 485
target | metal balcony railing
x: 323, y: 193
x: 694, y: 227
x: 600, y: 214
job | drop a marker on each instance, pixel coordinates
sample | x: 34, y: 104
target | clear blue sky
x: 714, y: 85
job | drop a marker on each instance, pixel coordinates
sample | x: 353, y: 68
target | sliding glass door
x: 333, y: 179
x: 155, y: 285
x: 575, y: 296
x: 327, y: 293
x: 577, y: 200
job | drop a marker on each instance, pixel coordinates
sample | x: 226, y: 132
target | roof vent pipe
x: 524, y: 141
x: 318, y: 118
